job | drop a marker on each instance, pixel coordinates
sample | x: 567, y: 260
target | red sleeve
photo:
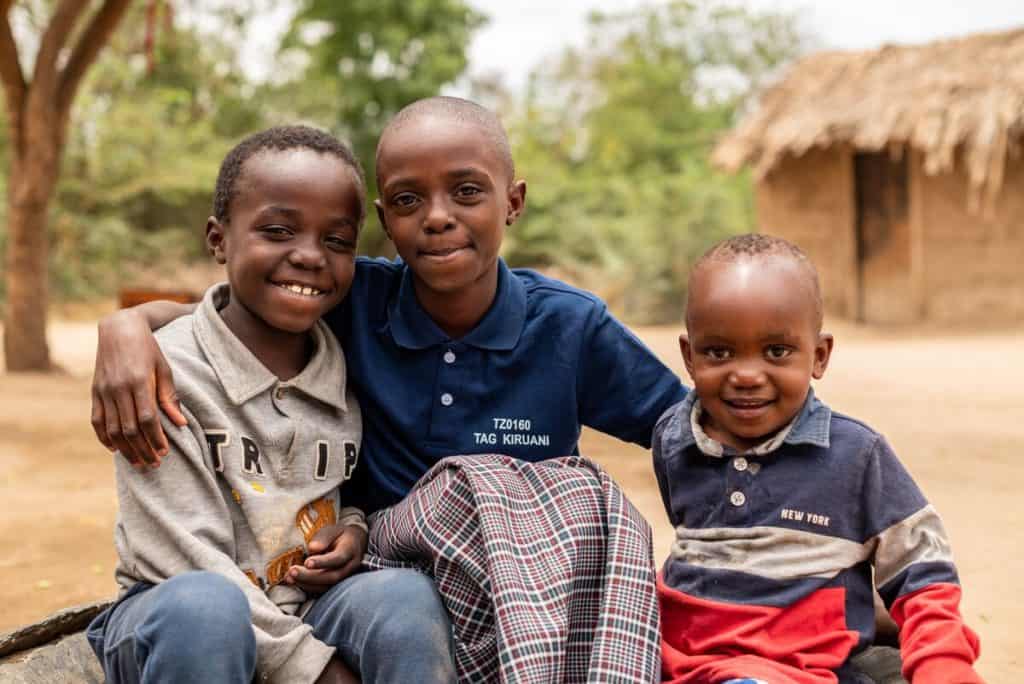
x: 936, y: 644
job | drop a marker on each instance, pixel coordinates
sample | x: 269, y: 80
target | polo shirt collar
x: 813, y: 424
x: 810, y: 426
x: 411, y: 327
x: 243, y: 376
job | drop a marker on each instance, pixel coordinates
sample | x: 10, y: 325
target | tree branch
x: 10, y: 68
x: 55, y: 37
x: 93, y: 39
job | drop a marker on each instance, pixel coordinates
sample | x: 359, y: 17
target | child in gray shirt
x: 206, y: 541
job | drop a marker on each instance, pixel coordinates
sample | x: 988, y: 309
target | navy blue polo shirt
x: 545, y: 359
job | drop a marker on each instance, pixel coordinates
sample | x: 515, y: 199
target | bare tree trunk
x: 38, y: 112
x: 30, y: 187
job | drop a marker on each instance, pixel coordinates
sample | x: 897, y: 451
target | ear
x: 822, y: 353
x: 215, y: 235
x: 380, y: 216
x: 516, y: 201
x: 687, y: 351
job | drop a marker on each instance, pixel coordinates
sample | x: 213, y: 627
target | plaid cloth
x: 545, y: 568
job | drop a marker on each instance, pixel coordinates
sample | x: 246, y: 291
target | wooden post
x: 847, y: 232
x: 918, y: 286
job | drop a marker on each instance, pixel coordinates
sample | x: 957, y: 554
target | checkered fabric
x: 545, y: 568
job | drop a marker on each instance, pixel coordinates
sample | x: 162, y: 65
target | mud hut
x: 900, y: 171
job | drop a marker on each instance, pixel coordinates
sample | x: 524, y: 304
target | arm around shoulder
x: 132, y: 382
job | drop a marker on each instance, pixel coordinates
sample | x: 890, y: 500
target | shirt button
x: 447, y: 399
x: 754, y: 468
x: 449, y: 356
x: 279, y: 393
x: 739, y: 463
x: 737, y: 499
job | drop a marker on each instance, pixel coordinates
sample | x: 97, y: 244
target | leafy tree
x: 615, y: 142
x: 149, y: 130
x: 38, y: 110
x: 366, y: 59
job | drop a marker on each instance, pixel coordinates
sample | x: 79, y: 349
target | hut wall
x: 809, y: 200
x: 973, y: 263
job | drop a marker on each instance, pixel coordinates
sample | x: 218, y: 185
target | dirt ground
x: 950, y: 403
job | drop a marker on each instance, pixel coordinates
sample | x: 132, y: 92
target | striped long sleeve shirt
x: 770, y: 574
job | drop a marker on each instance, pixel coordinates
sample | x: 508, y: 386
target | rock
x: 52, y: 650
x: 66, y: 661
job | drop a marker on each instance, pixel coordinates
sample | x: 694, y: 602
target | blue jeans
x: 387, y: 626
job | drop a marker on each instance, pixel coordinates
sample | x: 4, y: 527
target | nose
x: 307, y: 254
x: 438, y: 217
x: 747, y: 375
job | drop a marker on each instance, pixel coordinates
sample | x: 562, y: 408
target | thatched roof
x: 964, y: 95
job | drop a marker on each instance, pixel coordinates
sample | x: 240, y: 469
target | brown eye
x: 468, y: 192
x: 404, y: 200
x: 338, y: 243
x: 777, y: 352
x: 276, y: 232
x: 718, y: 353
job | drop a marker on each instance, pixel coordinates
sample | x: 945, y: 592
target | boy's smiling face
x: 290, y: 243
x: 445, y: 198
x: 752, y: 345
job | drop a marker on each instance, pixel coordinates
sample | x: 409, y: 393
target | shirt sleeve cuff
x: 944, y: 670
x: 304, y: 664
x: 353, y: 517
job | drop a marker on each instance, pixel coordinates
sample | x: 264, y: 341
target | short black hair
x: 280, y: 138
x: 760, y: 246
x: 461, y: 111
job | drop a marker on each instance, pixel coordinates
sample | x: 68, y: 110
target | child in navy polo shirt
x: 783, y: 508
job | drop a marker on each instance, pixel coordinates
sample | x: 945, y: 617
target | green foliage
x: 369, y: 58
x: 614, y: 139
x: 615, y: 143
x: 143, y: 151
x: 148, y: 131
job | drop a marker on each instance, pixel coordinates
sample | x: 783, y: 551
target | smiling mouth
x: 442, y: 252
x: 303, y: 290
x: 748, y: 407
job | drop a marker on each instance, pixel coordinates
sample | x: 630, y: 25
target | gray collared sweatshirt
x: 247, y: 483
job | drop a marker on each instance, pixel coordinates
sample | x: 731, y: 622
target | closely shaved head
x: 755, y: 247
x: 458, y: 111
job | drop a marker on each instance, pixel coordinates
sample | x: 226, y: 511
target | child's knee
x: 198, y: 605
x: 417, y: 614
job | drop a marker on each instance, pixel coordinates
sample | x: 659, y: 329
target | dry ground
x: 951, y: 403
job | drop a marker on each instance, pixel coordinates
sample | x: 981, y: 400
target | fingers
x: 342, y: 553
x: 152, y: 432
x: 112, y: 427
x: 325, y: 538
x: 99, y: 420
x: 316, y: 582
x: 131, y: 435
x: 167, y: 395
x: 125, y: 413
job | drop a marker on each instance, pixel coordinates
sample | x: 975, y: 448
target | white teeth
x: 299, y: 289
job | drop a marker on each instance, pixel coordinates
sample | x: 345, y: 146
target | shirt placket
x: 453, y: 401
x: 285, y: 398
x: 738, y: 493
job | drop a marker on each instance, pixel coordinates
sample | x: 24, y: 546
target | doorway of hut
x: 883, y: 238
